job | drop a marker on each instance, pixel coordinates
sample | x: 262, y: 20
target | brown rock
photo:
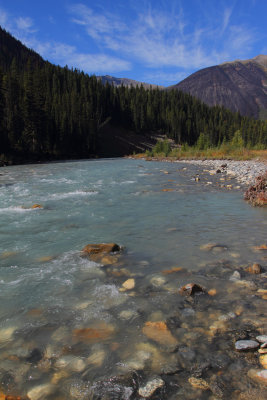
x: 101, y: 248
x: 159, y: 332
x: 258, y: 375
x: 100, y: 332
x: 172, y: 270
x: 36, y: 206
x: 212, y: 292
x: 263, y: 361
x: 254, y: 269
x: 190, y: 289
x: 198, y: 383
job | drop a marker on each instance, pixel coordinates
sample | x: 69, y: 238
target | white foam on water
x: 61, y: 196
x: 16, y: 209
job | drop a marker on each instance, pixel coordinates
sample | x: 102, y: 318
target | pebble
x: 263, y: 361
x: 150, y: 387
x: 236, y: 276
x: 258, y: 375
x: 129, y: 284
x: 6, y: 334
x: 198, y: 383
x: 245, y: 345
x: 261, y: 338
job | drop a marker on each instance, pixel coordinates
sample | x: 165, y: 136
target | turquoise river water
x: 68, y: 327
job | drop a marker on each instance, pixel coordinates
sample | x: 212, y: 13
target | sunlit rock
x: 6, y: 334
x: 129, y: 284
x: 34, y: 206
x: 150, y: 387
x: 159, y: 332
x: 263, y: 361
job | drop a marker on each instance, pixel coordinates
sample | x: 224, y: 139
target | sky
x: 157, y: 41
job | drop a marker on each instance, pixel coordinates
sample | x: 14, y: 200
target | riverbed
x: 119, y: 327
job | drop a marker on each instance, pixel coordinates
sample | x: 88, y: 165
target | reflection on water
x: 117, y: 327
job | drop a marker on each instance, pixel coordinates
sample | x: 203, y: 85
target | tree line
x: 47, y: 111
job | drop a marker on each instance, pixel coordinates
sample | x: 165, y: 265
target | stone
x: 109, y: 260
x: 129, y: 284
x: 157, y: 280
x: 70, y: 363
x: 262, y: 338
x: 258, y: 375
x: 6, y: 334
x: 101, y: 248
x: 198, y: 383
x: 58, y: 376
x: 40, y: 392
x: 127, y: 315
x: 97, y: 358
x: 191, y: 288
x: 100, y: 332
x: 263, y: 351
x: 150, y: 387
x: 263, y: 361
x: 172, y: 270
x: 212, y: 292
x: 246, y: 345
x: 159, y: 332
x: 254, y: 269
x: 34, y: 206
x: 138, y: 362
x: 235, y: 276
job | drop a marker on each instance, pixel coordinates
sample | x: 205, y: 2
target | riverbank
x: 245, y: 172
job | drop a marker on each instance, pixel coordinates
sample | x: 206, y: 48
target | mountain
x: 125, y: 82
x: 238, y: 85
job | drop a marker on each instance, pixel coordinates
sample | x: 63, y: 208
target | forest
x: 50, y: 112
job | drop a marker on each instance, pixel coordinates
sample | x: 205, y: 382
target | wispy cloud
x: 166, y: 39
x: 25, y: 24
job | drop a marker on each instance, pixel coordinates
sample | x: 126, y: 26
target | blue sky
x: 155, y: 41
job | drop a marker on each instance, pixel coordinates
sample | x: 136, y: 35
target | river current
x: 69, y: 329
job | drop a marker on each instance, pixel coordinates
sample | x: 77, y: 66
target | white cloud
x: 3, y: 18
x: 166, y: 39
x: 25, y: 24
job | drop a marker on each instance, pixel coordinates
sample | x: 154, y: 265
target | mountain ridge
x: 239, y: 85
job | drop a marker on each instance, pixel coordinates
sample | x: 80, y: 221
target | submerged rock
x: 198, y: 383
x: 159, y: 332
x: 254, y: 269
x: 100, y: 332
x: 150, y: 387
x: 259, y: 376
x: 36, y: 206
x: 191, y: 288
x: 40, y: 392
x: 263, y: 361
x: 246, y: 345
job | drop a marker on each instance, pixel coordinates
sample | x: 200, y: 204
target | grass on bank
x: 226, y: 151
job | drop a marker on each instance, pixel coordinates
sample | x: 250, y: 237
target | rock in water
x: 258, y: 375
x: 101, y: 248
x: 190, y: 289
x: 40, y: 392
x: 262, y: 338
x: 198, y: 383
x: 246, y: 345
x: 254, y: 269
x: 159, y: 332
x: 150, y: 387
x: 129, y: 284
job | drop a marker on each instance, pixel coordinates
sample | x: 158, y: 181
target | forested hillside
x: 51, y: 112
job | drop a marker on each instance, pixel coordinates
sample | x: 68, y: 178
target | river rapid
x: 71, y: 328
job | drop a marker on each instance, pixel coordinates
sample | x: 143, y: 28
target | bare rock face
x: 239, y: 85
